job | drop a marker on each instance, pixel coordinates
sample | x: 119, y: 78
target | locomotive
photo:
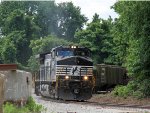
x: 66, y: 72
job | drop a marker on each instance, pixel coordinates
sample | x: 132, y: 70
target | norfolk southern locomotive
x: 65, y: 73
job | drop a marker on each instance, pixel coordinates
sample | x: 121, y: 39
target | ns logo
x: 75, y: 70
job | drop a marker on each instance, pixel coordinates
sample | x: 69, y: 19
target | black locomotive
x: 65, y: 73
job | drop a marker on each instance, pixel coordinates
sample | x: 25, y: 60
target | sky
x: 90, y: 7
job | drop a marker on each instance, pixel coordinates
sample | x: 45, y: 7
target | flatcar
x: 66, y: 72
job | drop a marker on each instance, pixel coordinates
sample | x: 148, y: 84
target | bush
x: 125, y: 91
x: 30, y: 107
x: 11, y: 108
x: 138, y: 94
x: 121, y: 91
x: 137, y: 89
x: 144, y: 87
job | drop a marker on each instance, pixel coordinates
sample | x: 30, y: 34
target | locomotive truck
x: 66, y: 72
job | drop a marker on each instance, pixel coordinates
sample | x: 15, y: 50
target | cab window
x: 64, y: 53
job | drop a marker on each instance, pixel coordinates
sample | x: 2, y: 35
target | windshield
x: 64, y: 53
x: 73, y: 52
x: 82, y: 53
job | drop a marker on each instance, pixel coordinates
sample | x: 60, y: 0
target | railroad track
x: 98, y: 104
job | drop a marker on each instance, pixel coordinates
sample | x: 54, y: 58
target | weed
x: 30, y: 107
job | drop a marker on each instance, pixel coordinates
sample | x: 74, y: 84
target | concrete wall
x: 1, y: 91
x: 18, y: 85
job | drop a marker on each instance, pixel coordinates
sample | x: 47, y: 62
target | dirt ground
x: 108, y: 98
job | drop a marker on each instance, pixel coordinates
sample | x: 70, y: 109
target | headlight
x: 73, y: 47
x: 85, y: 78
x: 66, y: 77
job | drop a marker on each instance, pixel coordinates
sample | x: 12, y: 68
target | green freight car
x: 108, y: 76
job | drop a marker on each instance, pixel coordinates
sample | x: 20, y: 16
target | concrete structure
x: 18, y: 83
x: 1, y: 91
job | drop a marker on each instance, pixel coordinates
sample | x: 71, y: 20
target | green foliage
x: 23, y: 21
x: 16, y: 16
x: 134, y: 88
x: 95, y: 37
x: 125, y: 91
x: 8, y: 52
x: 6, y: 8
x: 46, y: 17
x: 30, y: 107
x: 144, y: 87
x: 19, y: 28
x: 131, y: 44
x: 133, y: 53
x: 20, y: 44
x: 9, y: 108
x: 118, y: 44
x: 33, y: 64
x: 70, y: 19
x: 42, y: 46
x: 61, y: 20
x: 46, y: 44
x: 136, y: 35
x: 121, y: 91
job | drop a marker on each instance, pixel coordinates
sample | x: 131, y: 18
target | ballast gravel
x: 60, y: 107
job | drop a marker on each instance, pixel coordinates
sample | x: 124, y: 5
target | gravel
x: 70, y: 107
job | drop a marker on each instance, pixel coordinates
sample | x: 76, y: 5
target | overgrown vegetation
x: 134, y: 88
x: 96, y: 37
x: 30, y: 107
x: 24, y: 22
x: 135, y: 25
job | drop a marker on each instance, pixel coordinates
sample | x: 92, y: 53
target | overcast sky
x: 90, y: 7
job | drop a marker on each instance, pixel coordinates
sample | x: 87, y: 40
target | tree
x: 17, y: 25
x: 28, y: 20
x: 20, y: 29
x: 46, y: 44
x: 42, y: 46
x: 94, y: 36
x: 7, y: 7
x: 8, y: 52
x: 46, y: 18
x: 69, y: 20
x: 135, y: 37
x: 117, y: 44
x: 61, y: 19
